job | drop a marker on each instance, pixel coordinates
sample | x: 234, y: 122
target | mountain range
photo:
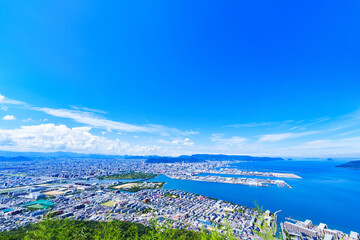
x: 26, y: 156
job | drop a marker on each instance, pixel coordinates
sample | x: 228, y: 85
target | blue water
x: 325, y: 194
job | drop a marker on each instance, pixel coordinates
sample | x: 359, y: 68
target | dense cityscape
x: 89, y: 189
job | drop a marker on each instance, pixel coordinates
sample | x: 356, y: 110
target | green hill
x: 91, y: 230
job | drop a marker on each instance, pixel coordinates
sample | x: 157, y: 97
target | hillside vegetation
x: 113, y: 230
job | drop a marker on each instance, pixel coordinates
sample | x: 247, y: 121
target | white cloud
x: 9, y: 118
x: 88, y: 109
x: 293, y: 124
x: 251, y: 125
x: 219, y: 138
x: 90, y: 119
x: 260, y: 139
x: 283, y: 136
x: 187, y: 141
x: 191, y: 132
x: 345, y: 147
x: 28, y: 120
x: 3, y: 100
x: 259, y: 124
x: 344, y: 143
x: 319, y: 120
x: 178, y: 141
x: 350, y: 132
x: 50, y: 137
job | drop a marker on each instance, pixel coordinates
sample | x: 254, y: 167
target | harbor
x: 243, y: 181
x: 235, y: 171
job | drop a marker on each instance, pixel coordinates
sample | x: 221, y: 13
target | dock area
x: 231, y: 180
x: 235, y: 171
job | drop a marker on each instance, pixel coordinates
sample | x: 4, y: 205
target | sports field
x: 108, y: 203
x: 54, y: 193
x: 126, y: 186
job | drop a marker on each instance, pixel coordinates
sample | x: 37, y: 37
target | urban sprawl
x: 86, y: 189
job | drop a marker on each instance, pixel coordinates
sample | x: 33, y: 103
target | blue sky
x: 277, y: 78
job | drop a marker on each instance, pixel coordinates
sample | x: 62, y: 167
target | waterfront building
x: 298, y: 227
x: 333, y: 233
x: 354, y: 236
x: 328, y: 237
x: 308, y: 224
x: 321, y: 228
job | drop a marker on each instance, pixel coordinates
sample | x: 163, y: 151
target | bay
x: 325, y: 194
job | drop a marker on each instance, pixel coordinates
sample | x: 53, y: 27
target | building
x: 299, y: 228
x: 308, y: 224
x: 321, y: 228
x: 35, y: 196
x: 354, y: 236
x: 332, y: 233
x: 328, y: 237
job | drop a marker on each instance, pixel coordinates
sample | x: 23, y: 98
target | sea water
x: 325, y: 194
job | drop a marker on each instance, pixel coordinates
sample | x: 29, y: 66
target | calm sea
x: 325, y: 194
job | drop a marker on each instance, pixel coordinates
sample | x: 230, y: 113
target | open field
x: 54, y: 193
x: 126, y: 186
x: 171, y: 195
x: 108, y: 203
x: 138, y: 186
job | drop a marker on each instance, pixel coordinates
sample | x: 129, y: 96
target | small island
x: 128, y: 175
x: 352, y: 165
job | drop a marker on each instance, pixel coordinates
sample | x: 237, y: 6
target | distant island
x: 352, y: 164
x: 7, y: 156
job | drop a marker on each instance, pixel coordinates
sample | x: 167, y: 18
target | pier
x: 230, y: 180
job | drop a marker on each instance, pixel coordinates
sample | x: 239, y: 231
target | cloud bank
x: 51, y: 137
x: 92, y: 132
x: 9, y: 118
